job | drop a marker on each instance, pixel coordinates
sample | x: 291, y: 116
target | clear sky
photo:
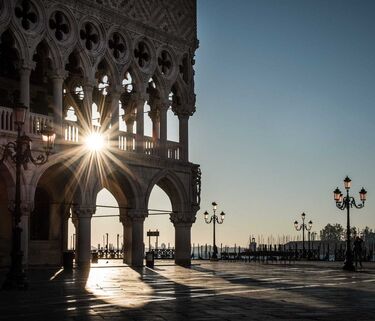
x: 285, y: 110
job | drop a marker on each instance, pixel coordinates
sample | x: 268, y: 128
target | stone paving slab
x: 207, y: 291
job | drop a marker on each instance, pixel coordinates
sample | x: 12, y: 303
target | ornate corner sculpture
x: 196, y: 186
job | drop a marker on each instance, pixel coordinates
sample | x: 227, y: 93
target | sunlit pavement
x: 206, y: 291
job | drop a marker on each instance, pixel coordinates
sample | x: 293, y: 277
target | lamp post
x: 347, y: 202
x: 106, y: 247
x: 214, y: 219
x: 19, y: 152
x: 303, y: 227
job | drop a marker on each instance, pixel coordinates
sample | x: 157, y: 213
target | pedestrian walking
x: 357, y: 249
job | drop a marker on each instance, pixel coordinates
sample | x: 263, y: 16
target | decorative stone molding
x: 142, y: 54
x: 177, y: 17
x: 165, y: 63
x: 196, y: 185
x: 5, y: 13
x: 84, y: 212
x: 26, y: 14
x: 182, y: 218
x: 183, y: 110
x: 26, y: 207
x: 129, y: 216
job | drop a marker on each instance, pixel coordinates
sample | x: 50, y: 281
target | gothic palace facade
x: 97, y: 66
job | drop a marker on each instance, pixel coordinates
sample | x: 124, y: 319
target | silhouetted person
x: 357, y: 249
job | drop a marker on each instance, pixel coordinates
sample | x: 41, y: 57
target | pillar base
x: 183, y: 262
x: 83, y: 265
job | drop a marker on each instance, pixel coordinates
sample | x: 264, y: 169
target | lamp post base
x: 348, y: 266
x: 214, y: 256
x: 15, y: 281
x: 16, y: 277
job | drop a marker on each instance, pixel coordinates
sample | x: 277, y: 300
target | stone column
x: 83, y: 253
x: 163, y: 109
x: 155, y: 118
x: 65, y: 213
x: 184, y: 136
x: 129, y: 120
x: 75, y: 223
x: 133, y: 237
x: 182, y: 224
x: 58, y: 81
x: 140, y: 102
x: 86, y: 122
x: 26, y: 209
x: 114, y: 118
x: 25, y: 72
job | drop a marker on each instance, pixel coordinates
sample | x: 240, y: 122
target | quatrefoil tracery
x: 26, y: 12
x: 117, y: 45
x: 165, y: 62
x: 89, y: 35
x: 59, y: 23
x: 142, y: 54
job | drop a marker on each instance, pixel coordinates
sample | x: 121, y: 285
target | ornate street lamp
x: 214, y: 219
x: 303, y: 227
x: 19, y: 152
x: 347, y: 202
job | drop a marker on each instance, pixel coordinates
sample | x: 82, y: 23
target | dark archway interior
x: 40, y: 217
x: 9, y: 76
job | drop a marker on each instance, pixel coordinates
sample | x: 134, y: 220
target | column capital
x: 141, y: 96
x: 59, y: 74
x: 84, y: 211
x: 116, y: 90
x: 184, y: 111
x: 130, y: 118
x: 26, y: 207
x: 134, y: 216
x: 182, y: 219
x: 184, y: 115
x: 154, y: 114
x: 27, y: 66
x: 89, y: 83
x: 163, y: 104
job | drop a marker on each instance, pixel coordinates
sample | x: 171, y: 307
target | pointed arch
x: 122, y: 183
x: 111, y: 68
x: 20, y: 43
x: 160, y: 85
x: 171, y: 184
x: 84, y: 63
x: 56, y: 171
x: 10, y: 45
x: 56, y: 56
x: 139, y: 79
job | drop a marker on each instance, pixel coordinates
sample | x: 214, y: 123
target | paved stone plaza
x: 207, y: 291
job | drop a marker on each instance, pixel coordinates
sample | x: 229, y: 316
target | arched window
x: 103, y: 85
x: 172, y: 121
x: 95, y: 115
x: 71, y: 114
x: 127, y: 82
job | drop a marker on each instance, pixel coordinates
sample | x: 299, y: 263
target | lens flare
x: 94, y: 142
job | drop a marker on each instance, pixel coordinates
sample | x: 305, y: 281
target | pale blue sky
x: 285, y: 110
